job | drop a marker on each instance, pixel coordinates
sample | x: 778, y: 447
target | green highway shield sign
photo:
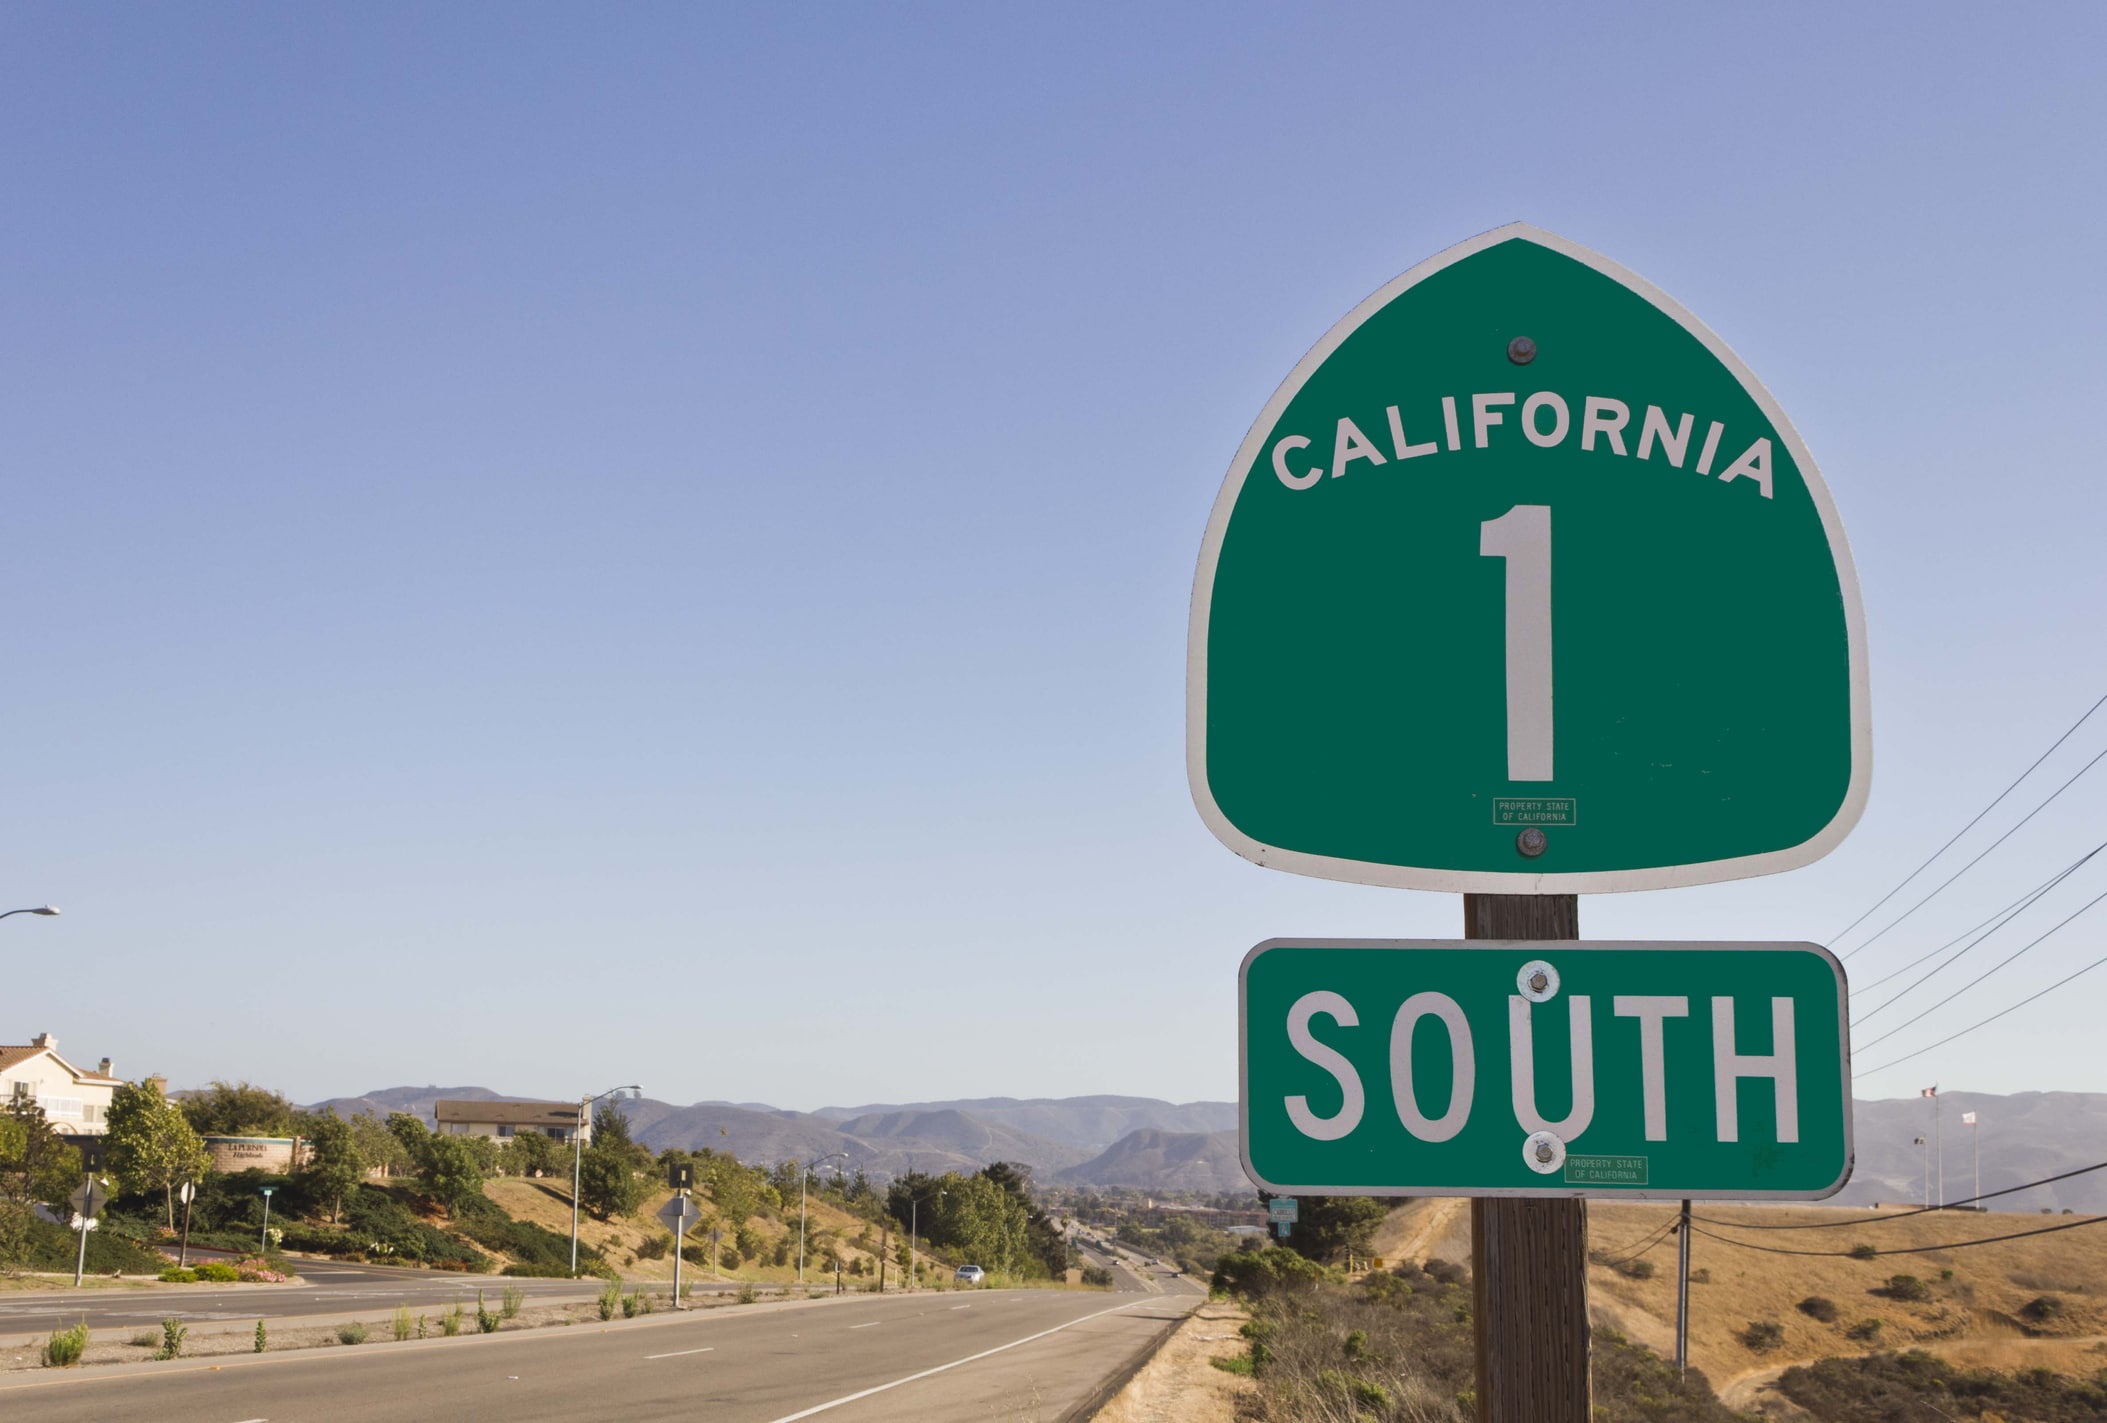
x: 1523, y: 583
x: 1545, y: 1068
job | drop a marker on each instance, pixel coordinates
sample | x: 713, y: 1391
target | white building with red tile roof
x: 75, y: 1101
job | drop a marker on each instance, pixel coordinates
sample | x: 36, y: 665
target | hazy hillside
x: 961, y: 1134
x: 1165, y: 1161
x: 1091, y: 1122
x: 2024, y: 1137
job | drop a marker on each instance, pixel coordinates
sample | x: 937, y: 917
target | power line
x: 1971, y: 824
x: 1905, y: 1250
x: 1987, y: 972
x: 1905, y: 1215
x: 1868, y: 943
x: 2020, y: 903
x: 1989, y: 1020
x: 2003, y: 917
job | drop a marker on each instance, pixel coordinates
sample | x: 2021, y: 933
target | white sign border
x: 1561, y: 1191
x: 1523, y: 881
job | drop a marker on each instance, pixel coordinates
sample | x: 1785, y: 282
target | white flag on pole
x: 1967, y: 1119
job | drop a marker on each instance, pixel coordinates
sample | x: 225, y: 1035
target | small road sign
x: 680, y: 1175
x: 1523, y: 583
x: 89, y: 1198
x: 1545, y: 1068
x: 1284, y: 1209
x: 679, y: 1213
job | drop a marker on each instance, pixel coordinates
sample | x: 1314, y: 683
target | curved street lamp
x: 803, y: 1176
x: 45, y: 909
x: 578, y: 1156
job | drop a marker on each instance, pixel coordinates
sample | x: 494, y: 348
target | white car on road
x: 970, y: 1275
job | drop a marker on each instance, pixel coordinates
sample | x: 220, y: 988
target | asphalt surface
x: 329, y: 1288
x: 937, y: 1357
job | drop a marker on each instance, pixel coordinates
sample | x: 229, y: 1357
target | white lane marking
x: 957, y: 1307
x: 872, y: 1325
x: 944, y: 1368
x: 711, y: 1349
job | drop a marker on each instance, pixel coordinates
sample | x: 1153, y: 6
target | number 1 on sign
x: 1522, y: 537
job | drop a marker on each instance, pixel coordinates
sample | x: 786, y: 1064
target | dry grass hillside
x: 2023, y: 1303
x: 548, y: 1203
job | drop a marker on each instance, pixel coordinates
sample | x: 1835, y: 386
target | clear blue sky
x: 552, y: 547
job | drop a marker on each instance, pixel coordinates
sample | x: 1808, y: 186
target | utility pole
x: 1529, y: 1256
x: 264, y: 1247
x: 1925, y: 1143
x: 1975, y: 1141
x: 1682, y: 1295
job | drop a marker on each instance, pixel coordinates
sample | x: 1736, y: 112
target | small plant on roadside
x: 144, y: 1340
x: 1763, y: 1335
x: 65, y: 1346
x: 262, y: 1339
x: 173, y: 1331
x: 402, y: 1322
x: 629, y: 1306
x: 352, y: 1333
x: 748, y: 1294
x: 421, y: 1328
x: 176, y: 1275
x: 512, y: 1301
x: 450, y: 1322
x: 218, y: 1273
x: 487, y: 1320
x: 1815, y: 1307
x: 610, y: 1299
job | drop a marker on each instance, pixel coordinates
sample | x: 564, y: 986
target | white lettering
x: 1556, y: 404
x: 1605, y: 417
x: 1521, y: 1057
x: 1779, y: 1064
x: 1403, y: 450
x: 1432, y: 1005
x: 1281, y: 450
x: 1653, y: 1075
x: 1448, y: 421
x: 1351, y: 1098
x: 1704, y: 456
x: 1483, y: 416
x: 1655, y: 426
x: 1350, y: 444
x: 1753, y: 464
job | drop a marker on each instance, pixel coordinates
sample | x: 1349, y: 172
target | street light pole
x: 805, y: 1174
x: 40, y: 909
x: 578, y: 1160
x: 264, y: 1245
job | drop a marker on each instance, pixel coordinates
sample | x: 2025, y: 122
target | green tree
x: 450, y: 1170
x: 735, y: 1189
x: 1332, y: 1227
x: 377, y: 1145
x: 533, y: 1152
x: 335, y: 1168
x: 37, y: 1166
x: 608, y: 1183
x: 152, y: 1145
x: 239, y: 1109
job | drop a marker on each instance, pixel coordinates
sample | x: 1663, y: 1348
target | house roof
x: 15, y: 1056
x: 504, y: 1114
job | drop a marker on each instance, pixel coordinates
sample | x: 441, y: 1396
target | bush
x: 1638, y: 1269
x: 173, y: 1331
x: 174, y: 1275
x: 486, y: 1320
x: 450, y: 1322
x: 1763, y: 1335
x: 218, y: 1272
x: 535, y: 1251
x: 512, y: 1301
x: 748, y: 1294
x: 1815, y: 1307
x: 1259, y: 1274
x: 1913, y: 1386
x: 2042, y: 1309
x: 610, y: 1299
x: 1907, y: 1288
x: 352, y: 1333
x: 1865, y: 1331
x: 402, y: 1323
x: 654, y: 1247
x: 65, y: 1346
x: 1864, y: 1251
x: 1098, y: 1276
x: 263, y: 1340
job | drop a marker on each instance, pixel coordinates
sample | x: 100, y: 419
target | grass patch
x: 65, y: 1346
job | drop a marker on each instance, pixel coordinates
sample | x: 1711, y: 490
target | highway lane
x: 949, y: 1357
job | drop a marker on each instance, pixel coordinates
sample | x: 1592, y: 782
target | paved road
x: 951, y: 1357
x: 332, y: 1288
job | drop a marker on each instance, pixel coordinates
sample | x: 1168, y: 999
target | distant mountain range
x: 1192, y: 1146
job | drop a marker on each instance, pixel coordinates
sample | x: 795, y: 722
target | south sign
x: 1545, y: 1068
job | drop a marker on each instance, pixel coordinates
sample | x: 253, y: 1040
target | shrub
x: 1701, y: 1276
x: 218, y: 1272
x: 1864, y: 1251
x: 654, y: 1247
x: 748, y: 1294
x: 1866, y: 1331
x: 173, y: 1331
x: 1907, y: 1288
x: 65, y: 1346
x: 1763, y: 1335
x: 696, y: 1254
x: 402, y: 1323
x: 1258, y: 1274
x: 729, y: 1254
x: 450, y: 1322
x: 2042, y: 1309
x: 174, y: 1275
x: 1097, y: 1275
x: 352, y: 1333
x: 262, y: 1339
x: 1637, y: 1269
x: 610, y: 1299
x: 486, y: 1320
x: 1234, y: 1364
x: 512, y: 1301
x: 1815, y: 1307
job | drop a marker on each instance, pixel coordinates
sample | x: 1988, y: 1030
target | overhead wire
x: 2003, y: 917
x: 1971, y: 824
x: 1907, y: 1249
x: 1985, y: 1022
x: 1905, y: 1215
x: 2007, y: 960
x: 1865, y: 944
